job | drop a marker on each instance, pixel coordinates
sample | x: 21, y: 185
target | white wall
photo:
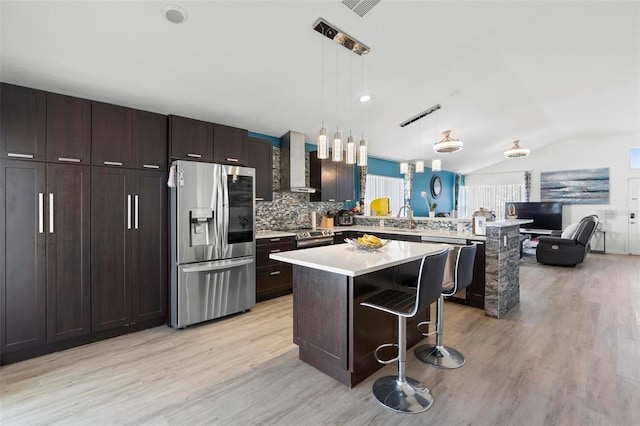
x: 501, y: 178
x: 586, y: 153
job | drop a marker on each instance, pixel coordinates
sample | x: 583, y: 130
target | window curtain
x: 384, y: 186
x: 491, y: 197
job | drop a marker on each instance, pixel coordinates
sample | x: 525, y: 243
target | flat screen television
x: 545, y: 215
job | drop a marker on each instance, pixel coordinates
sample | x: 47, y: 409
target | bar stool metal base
x: 408, y: 396
x: 439, y: 356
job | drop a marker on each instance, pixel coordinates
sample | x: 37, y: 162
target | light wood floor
x: 568, y: 354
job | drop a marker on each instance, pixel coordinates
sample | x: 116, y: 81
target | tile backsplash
x: 289, y: 210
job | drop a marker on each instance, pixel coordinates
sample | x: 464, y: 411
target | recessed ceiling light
x: 174, y: 13
x: 365, y: 98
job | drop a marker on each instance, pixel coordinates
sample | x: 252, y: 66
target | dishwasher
x: 450, y: 269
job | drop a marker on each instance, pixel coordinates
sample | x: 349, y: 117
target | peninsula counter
x: 333, y: 332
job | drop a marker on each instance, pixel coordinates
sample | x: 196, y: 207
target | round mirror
x: 436, y: 186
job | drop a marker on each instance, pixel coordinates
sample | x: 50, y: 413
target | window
x: 381, y: 187
x: 491, y: 197
x: 634, y: 158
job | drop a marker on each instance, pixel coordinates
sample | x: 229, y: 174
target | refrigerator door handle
x: 216, y: 266
x: 129, y: 211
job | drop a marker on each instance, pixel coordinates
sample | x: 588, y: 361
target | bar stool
x: 438, y: 355
x: 401, y: 393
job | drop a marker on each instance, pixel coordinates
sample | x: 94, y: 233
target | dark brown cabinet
x: 475, y: 291
x: 230, y: 145
x: 22, y: 255
x: 111, y: 142
x: 68, y: 129
x: 149, y: 246
x: 128, y: 247
x: 334, y: 179
x: 22, y: 123
x: 261, y: 159
x: 273, y: 278
x: 190, y: 139
x: 149, y: 140
x: 68, y: 251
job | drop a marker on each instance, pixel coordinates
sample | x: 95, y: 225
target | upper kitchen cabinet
x: 111, y: 135
x: 230, y: 145
x: 335, y: 180
x: 68, y: 129
x: 190, y: 139
x: 261, y: 159
x: 149, y: 140
x: 22, y: 123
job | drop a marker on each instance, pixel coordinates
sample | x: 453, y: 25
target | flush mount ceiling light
x: 516, y: 151
x: 343, y: 39
x: 448, y: 144
x: 174, y: 13
x: 365, y: 98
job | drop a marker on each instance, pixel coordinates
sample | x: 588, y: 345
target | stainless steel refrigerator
x: 212, y: 241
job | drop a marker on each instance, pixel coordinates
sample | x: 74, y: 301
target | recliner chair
x: 567, y: 251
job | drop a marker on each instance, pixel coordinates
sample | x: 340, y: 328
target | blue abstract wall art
x: 584, y: 186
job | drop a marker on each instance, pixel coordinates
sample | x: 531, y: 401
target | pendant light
x: 337, y: 146
x: 516, y: 151
x: 419, y: 163
x: 323, y: 145
x: 404, y: 167
x: 448, y: 144
x: 351, y: 151
x: 436, y: 165
x: 362, y: 152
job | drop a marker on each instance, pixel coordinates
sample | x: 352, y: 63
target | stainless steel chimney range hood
x: 293, y: 163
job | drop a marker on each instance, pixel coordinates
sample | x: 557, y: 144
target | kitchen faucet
x: 412, y: 223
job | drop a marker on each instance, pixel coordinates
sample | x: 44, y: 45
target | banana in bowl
x: 367, y: 242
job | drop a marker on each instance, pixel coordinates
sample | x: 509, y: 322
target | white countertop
x: 376, y: 230
x: 350, y: 261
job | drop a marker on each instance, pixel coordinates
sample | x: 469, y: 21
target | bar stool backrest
x: 430, y: 279
x: 464, y: 267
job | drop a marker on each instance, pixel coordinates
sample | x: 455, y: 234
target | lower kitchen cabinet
x: 273, y: 278
x: 128, y: 247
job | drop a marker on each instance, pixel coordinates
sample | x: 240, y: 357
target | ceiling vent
x: 360, y: 7
x: 421, y: 115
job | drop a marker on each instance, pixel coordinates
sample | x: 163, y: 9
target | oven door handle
x: 314, y: 242
x: 218, y: 265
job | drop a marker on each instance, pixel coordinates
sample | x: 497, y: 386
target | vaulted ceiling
x: 543, y: 72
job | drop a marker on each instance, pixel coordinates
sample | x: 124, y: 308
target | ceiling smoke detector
x: 174, y: 13
x: 360, y: 7
x: 343, y: 39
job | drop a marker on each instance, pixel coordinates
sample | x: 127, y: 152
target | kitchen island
x: 333, y: 332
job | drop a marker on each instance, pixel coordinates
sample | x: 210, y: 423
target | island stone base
x: 502, y: 277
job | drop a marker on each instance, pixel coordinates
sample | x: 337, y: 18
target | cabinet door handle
x: 12, y: 154
x: 112, y: 163
x: 129, y: 211
x: 275, y: 273
x: 275, y: 239
x: 259, y: 199
x: 275, y: 250
x: 331, y: 199
x: 136, y: 211
x: 69, y: 160
x: 194, y: 155
x: 41, y: 212
x: 347, y: 201
x: 150, y: 166
x: 233, y: 160
x: 51, y: 213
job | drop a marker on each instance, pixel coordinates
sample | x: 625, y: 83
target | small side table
x: 604, y: 242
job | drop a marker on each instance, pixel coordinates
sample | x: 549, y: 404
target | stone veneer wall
x: 502, y: 287
x: 289, y: 210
